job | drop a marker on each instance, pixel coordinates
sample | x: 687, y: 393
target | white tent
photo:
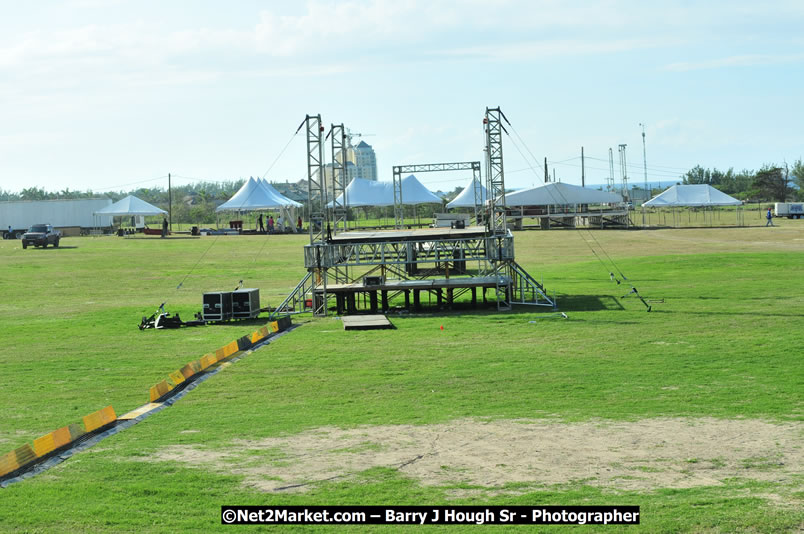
x: 466, y: 198
x: 557, y: 193
x: 279, y: 196
x: 691, y: 195
x: 256, y: 195
x: 362, y: 192
x: 130, y: 205
x: 413, y: 192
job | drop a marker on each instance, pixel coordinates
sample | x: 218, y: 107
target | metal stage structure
x: 474, y: 166
x: 373, y: 271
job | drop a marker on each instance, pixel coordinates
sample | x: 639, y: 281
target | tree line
x: 196, y: 202
x: 771, y: 183
x: 193, y: 203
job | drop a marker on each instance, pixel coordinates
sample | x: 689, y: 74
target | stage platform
x: 376, y: 297
x: 420, y: 234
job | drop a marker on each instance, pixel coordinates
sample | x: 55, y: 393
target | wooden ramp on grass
x: 365, y: 322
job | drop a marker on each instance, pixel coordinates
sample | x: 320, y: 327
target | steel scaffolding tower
x: 319, y: 217
x: 316, y: 189
x: 610, y: 181
x: 495, y: 177
x: 624, y: 171
x: 340, y: 178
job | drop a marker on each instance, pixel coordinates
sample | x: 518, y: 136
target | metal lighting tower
x: 610, y: 183
x: 315, y: 178
x: 319, y: 220
x: 495, y: 178
x: 340, y: 178
x: 624, y: 171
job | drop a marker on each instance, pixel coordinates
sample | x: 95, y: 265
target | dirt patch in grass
x: 493, y: 455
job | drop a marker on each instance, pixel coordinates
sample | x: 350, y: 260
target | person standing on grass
x: 261, y: 227
x: 299, y: 224
x: 164, y: 227
x: 270, y: 224
x: 769, y: 216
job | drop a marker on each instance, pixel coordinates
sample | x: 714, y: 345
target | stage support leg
x: 384, y: 301
x: 340, y: 300
x: 416, y: 302
x: 439, y: 297
x: 474, y: 297
x: 407, y: 299
x: 350, y: 302
x: 449, y: 297
x: 373, y: 301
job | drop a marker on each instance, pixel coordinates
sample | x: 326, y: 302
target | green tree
x: 773, y: 183
x: 797, y: 172
x: 33, y: 193
x: 697, y: 175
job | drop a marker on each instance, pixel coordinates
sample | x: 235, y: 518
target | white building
x: 365, y: 161
x: 351, y: 172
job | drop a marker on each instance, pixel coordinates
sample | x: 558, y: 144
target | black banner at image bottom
x: 430, y: 515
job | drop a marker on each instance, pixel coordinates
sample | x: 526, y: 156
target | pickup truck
x: 41, y: 235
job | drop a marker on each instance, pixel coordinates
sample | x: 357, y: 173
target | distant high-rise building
x: 365, y: 161
x: 351, y: 172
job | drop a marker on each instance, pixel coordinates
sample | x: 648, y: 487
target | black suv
x: 41, y: 235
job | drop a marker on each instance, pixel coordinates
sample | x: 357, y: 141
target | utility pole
x: 645, y: 159
x: 645, y: 167
x: 546, y: 174
x: 583, y: 171
x: 170, y: 205
x: 554, y: 175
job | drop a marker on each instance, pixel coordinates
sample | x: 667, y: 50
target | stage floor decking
x: 430, y: 283
x: 422, y: 234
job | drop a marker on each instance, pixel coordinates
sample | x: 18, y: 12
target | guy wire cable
x: 281, y: 152
x: 633, y: 289
x: 555, y: 200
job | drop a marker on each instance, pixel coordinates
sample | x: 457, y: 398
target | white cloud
x: 747, y: 60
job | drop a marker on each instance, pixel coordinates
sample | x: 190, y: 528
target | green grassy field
x: 325, y: 409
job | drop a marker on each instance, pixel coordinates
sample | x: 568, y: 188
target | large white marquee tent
x: 693, y: 196
x: 255, y: 195
x: 558, y: 193
x: 258, y: 195
x: 130, y: 205
x: 362, y: 192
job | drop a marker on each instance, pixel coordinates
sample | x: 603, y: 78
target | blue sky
x: 115, y: 94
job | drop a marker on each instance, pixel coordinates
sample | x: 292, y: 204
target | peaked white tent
x: 257, y: 194
x: 466, y: 198
x: 557, y: 193
x: 413, y: 192
x: 362, y: 192
x: 693, y: 196
x: 130, y: 205
x: 279, y: 196
x: 697, y: 195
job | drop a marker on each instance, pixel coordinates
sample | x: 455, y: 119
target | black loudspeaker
x: 217, y: 306
x: 245, y: 303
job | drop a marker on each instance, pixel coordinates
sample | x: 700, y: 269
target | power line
x: 113, y: 187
